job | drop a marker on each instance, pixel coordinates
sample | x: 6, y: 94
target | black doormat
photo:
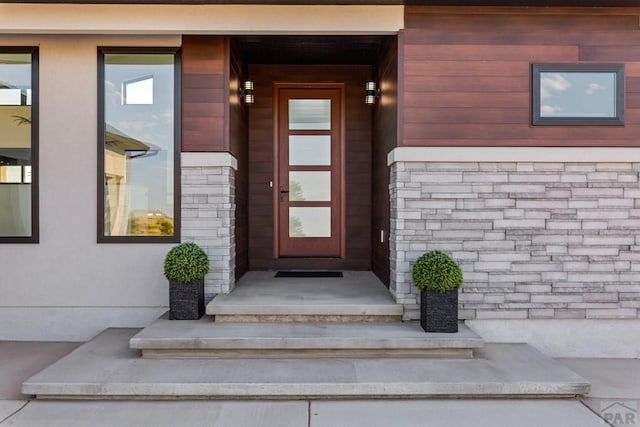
x: 308, y: 273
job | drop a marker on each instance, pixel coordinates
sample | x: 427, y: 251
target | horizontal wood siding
x: 385, y: 139
x: 205, y: 93
x: 466, y: 73
x: 239, y: 147
x: 358, y: 165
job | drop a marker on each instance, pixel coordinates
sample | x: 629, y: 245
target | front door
x: 309, y: 171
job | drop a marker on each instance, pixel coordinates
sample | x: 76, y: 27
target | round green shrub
x: 186, y: 263
x: 436, y: 270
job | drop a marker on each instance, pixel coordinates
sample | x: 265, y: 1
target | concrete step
x: 204, y: 338
x: 260, y: 297
x: 106, y: 368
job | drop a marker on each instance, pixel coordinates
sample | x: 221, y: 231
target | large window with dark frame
x: 582, y: 94
x: 18, y: 145
x: 139, y: 145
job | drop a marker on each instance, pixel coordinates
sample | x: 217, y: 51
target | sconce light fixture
x: 372, y: 92
x: 246, y: 92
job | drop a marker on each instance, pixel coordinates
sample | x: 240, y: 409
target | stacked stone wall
x: 208, y: 213
x: 535, y: 240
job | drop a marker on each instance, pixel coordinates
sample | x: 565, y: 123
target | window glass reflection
x: 581, y: 94
x: 15, y: 145
x: 139, y: 145
x: 138, y: 91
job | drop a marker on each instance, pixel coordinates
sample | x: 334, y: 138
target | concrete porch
x: 358, y: 296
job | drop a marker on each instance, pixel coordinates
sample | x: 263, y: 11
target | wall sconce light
x: 372, y: 92
x: 246, y: 92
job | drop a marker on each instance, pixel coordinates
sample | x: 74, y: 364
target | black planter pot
x: 439, y: 312
x: 186, y: 300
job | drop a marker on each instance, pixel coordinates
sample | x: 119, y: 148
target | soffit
x: 301, y: 49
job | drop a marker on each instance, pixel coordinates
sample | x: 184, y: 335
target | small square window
x: 578, y: 94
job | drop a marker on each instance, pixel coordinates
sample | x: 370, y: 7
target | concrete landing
x: 259, y: 296
x: 106, y: 368
x: 203, y: 338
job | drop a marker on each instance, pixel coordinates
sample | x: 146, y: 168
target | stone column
x: 208, y: 214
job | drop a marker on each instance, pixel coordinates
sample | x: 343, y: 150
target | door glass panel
x: 310, y: 150
x: 310, y: 186
x: 309, y: 114
x: 310, y: 222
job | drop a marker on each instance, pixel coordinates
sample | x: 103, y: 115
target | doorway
x: 349, y: 197
x: 309, y: 170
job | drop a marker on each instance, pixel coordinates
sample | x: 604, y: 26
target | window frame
x: 177, y: 138
x: 538, y: 120
x: 35, y: 147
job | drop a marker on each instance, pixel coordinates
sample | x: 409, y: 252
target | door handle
x: 283, y: 191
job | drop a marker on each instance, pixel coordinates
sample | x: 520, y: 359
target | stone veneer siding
x: 535, y: 240
x: 208, y: 216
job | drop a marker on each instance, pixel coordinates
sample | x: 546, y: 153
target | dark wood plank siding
x: 239, y: 147
x: 466, y: 73
x: 205, y: 89
x: 358, y: 165
x: 214, y: 119
x: 385, y: 139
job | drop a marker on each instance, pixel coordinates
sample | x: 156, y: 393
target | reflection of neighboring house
x: 119, y: 148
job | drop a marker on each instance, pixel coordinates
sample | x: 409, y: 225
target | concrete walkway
x: 615, y: 392
x: 400, y: 413
x: 19, y: 361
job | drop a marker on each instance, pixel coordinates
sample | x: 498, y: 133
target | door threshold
x: 309, y: 274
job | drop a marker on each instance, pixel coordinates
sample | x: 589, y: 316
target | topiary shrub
x: 436, y: 270
x: 186, y: 263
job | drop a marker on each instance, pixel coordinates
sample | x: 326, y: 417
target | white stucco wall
x: 68, y: 287
x: 597, y: 338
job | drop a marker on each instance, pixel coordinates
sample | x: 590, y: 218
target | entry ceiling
x: 311, y: 49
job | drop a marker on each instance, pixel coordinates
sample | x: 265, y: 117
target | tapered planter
x: 186, y: 300
x: 439, y: 311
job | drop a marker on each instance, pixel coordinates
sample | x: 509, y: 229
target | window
x: 139, y: 145
x: 19, y: 145
x: 578, y: 94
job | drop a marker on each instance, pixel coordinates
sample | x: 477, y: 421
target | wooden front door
x: 308, y: 190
